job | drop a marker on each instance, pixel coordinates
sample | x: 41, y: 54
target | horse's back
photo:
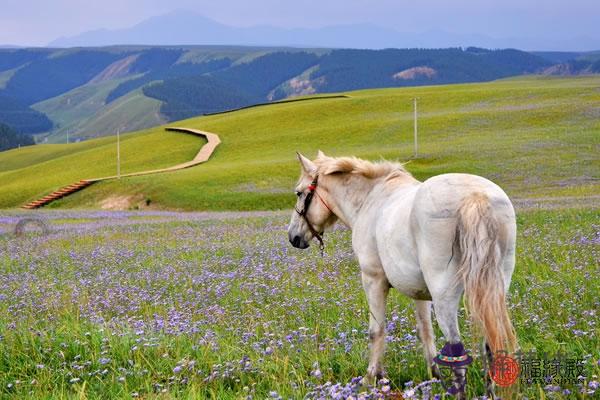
x: 448, y: 190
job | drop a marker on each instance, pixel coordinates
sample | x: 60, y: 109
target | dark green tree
x: 10, y: 139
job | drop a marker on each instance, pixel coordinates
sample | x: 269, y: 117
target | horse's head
x: 312, y: 214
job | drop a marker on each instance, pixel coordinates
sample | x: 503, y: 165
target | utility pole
x: 67, y: 136
x: 415, y: 118
x: 119, y: 153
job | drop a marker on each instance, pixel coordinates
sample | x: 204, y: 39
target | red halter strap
x: 312, y: 190
x: 323, y: 201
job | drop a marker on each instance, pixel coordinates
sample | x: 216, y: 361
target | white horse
x: 430, y: 240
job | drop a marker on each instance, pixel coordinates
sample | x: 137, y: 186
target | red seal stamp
x: 504, y: 370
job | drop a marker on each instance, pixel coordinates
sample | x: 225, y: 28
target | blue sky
x: 37, y: 22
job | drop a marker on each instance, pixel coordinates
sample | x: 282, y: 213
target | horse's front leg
x: 376, y: 287
x: 426, y: 334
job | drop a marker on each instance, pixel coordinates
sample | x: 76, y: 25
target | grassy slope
x: 5, y: 77
x: 533, y: 136
x: 84, y: 110
x: 92, y: 159
x: 129, y: 113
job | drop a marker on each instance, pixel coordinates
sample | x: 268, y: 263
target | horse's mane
x: 353, y: 165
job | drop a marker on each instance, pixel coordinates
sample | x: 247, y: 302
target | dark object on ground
x: 38, y: 224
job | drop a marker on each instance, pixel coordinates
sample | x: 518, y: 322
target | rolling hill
x: 84, y: 113
x: 92, y: 92
x: 536, y: 137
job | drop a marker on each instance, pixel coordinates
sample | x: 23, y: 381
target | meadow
x: 161, y: 303
x: 219, y: 305
x: 536, y: 137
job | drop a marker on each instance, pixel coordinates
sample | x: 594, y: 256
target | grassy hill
x: 50, y: 91
x: 84, y: 113
x: 536, y: 137
x: 27, y: 172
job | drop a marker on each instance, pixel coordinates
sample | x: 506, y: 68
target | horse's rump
x: 481, y: 237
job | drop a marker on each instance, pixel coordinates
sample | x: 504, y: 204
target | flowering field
x: 201, y: 305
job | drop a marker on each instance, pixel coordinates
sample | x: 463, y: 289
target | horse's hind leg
x: 445, y: 303
x: 426, y: 334
x: 489, y: 359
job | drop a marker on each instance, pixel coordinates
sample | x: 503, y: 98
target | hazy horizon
x: 526, y: 23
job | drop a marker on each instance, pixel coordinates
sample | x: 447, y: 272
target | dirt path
x: 203, y: 155
x: 552, y: 203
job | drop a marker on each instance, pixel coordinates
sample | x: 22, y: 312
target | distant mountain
x: 574, y: 67
x: 89, y: 92
x: 187, y: 28
x: 558, y: 56
x: 280, y: 75
x: 194, y: 29
x: 570, y: 63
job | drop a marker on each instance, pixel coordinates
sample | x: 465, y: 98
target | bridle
x: 312, y: 190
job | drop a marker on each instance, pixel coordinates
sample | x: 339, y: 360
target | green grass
x: 32, y: 171
x: 194, y: 305
x: 123, y: 305
x: 535, y: 137
x: 84, y: 110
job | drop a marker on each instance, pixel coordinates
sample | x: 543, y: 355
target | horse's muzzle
x: 298, y: 242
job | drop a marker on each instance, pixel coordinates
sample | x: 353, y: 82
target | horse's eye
x: 298, y: 194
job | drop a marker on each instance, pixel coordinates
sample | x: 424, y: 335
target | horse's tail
x: 480, y: 268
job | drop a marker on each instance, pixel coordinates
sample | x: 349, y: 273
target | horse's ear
x: 308, y: 166
x: 320, y: 154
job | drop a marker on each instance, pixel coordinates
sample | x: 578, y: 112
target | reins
x: 312, y: 190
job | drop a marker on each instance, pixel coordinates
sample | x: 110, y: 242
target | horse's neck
x: 350, y: 198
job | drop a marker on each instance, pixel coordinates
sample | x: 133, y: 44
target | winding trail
x: 203, y: 155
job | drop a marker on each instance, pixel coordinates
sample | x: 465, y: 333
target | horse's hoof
x: 458, y: 394
x: 435, y: 372
x: 490, y: 387
x: 369, y: 380
x: 374, y: 373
